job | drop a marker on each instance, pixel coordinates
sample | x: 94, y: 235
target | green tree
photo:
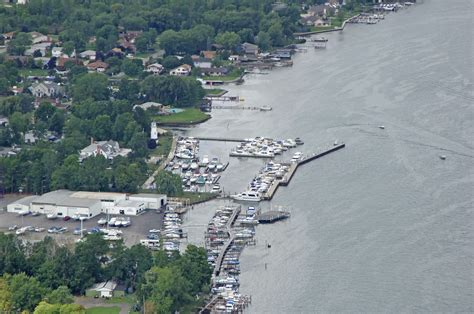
x: 263, y: 41
x: 19, y: 44
x: 229, y: 40
x: 91, y: 86
x: 61, y: 295
x: 102, y: 128
x: 169, y: 183
x: 195, y: 268
x: 26, y: 292
x: 132, y: 67
x: 5, y: 296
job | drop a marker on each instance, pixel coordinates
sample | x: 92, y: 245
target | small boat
x: 382, y: 127
x: 216, y: 188
x: 442, y: 157
x: 266, y: 108
x: 335, y: 143
x: 201, y: 180
x: 219, y: 167
x: 205, y: 161
x: 320, y: 40
x: 298, y: 141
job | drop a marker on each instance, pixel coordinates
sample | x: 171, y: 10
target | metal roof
x: 64, y: 198
x: 25, y: 200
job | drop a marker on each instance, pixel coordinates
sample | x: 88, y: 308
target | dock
x: 227, y: 244
x: 291, y: 171
x: 219, y: 139
x: 272, y: 216
x: 237, y: 107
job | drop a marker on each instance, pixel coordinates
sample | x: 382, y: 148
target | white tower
x: 154, y: 131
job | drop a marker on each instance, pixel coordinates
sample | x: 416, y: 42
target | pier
x: 237, y: 107
x: 219, y: 139
x: 272, y: 216
x: 291, y: 171
x: 224, y: 249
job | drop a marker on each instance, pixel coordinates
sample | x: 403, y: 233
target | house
x: 200, y: 62
x: 155, y: 68
x: 61, y: 63
x: 108, y: 149
x: 57, y: 52
x: 88, y: 54
x: 322, y: 10
x: 46, y: 89
x: 3, y: 121
x: 182, y: 70
x: 249, y: 48
x: 149, y: 105
x: 9, y: 36
x: 38, y: 38
x: 215, y: 71
x: 209, y: 54
x: 97, y: 66
x: 41, y: 47
x: 104, y: 289
x: 234, y: 58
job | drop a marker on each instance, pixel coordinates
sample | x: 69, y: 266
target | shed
x: 104, y: 289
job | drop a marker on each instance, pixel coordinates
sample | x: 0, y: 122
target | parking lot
x: 131, y: 235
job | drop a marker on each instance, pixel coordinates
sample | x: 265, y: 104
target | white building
x: 182, y: 70
x: 21, y: 205
x: 108, y: 149
x: 62, y: 204
x: 103, y: 289
x: 152, y: 201
x: 154, y: 131
x: 88, y: 204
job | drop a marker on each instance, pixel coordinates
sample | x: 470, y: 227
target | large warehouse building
x: 88, y: 204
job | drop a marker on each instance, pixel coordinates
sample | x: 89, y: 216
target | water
x: 383, y: 225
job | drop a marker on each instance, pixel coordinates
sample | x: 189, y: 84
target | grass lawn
x: 215, y: 91
x: 188, y: 116
x: 33, y: 72
x: 129, y: 299
x: 225, y: 78
x: 164, y: 145
x: 196, y: 197
x: 321, y: 28
x: 103, y: 310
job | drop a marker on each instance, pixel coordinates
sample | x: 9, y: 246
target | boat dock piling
x: 292, y: 169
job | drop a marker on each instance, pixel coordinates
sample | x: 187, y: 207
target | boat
x: 298, y: 141
x: 201, y: 180
x: 194, y: 165
x: 219, y: 167
x: 216, y: 188
x: 205, y: 161
x: 382, y: 127
x: 266, y: 108
x: 249, y: 196
x: 320, y: 40
x: 442, y: 157
x: 335, y: 143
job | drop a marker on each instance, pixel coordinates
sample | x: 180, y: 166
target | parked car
x: 66, y: 218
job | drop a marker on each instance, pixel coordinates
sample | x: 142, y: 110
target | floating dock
x: 291, y: 171
x: 272, y: 216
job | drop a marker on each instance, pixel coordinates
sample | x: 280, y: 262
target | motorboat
x: 249, y: 196
x: 216, y: 188
x: 265, y: 108
x: 298, y: 141
x: 201, y: 180
x: 442, y: 157
x: 205, y: 161
x: 194, y: 165
x: 102, y: 221
x: 219, y: 167
x: 382, y: 127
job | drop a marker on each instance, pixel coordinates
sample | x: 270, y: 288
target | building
x: 127, y: 207
x: 46, y: 89
x: 150, y: 105
x: 155, y: 68
x: 107, y: 199
x: 21, y: 205
x: 106, y: 289
x: 88, y: 54
x: 57, y: 52
x: 108, y: 149
x: 97, y: 66
x: 202, y: 62
x: 62, y: 203
x: 152, y: 201
x: 154, y: 131
x: 182, y: 70
x: 215, y: 71
x: 249, y: 48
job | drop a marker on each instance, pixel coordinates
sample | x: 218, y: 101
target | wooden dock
x: 237, y: 107
x: 227, y: 244
x: 291, y: 171
x: 219, y: 139
x: 272, y: 216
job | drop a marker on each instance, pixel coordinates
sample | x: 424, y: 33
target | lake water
x: 383, y: 225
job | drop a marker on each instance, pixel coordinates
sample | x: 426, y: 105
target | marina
x: 261, y: 147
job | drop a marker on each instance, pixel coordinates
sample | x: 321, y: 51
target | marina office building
x: 87, y: 204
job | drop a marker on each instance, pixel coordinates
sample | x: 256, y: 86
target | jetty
x: 294, y: 166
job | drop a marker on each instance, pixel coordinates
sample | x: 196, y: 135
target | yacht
x: 249, y: 196
x: 205, y: 161
x: 194, y: 166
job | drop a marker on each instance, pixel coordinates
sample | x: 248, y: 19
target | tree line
x: 44, y: 275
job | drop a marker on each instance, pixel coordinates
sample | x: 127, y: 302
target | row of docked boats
x: 169, y: 236
x: 186, y: 148
x: 224, y: 244
x: 263, y: 181
x: 263, y: 147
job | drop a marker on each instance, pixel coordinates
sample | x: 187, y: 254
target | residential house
x: 249, y: 48
x: 215, y: 71
x: 57, y: 52
x: 97, y: 66
x: 322, y: 10
x: 108, y: 149
x: 61, y: 63
x: 46, y: 89
x: 182, y: 70
x: 234, y: 58
x: 38, y: 38
x: 200, y: 62
x: 155, y: 68
x: 209, y: 54
x: 149, y: 105
x: 88, y: 54
x: 41, y: 47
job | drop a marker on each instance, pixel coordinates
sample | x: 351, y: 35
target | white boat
x: 211, y: 166
x: 194, y: 166
x: 219, y: 167
x: 265, y: 108
x: 249, y: 196
x: 382, y: 127
x: 205, y: 161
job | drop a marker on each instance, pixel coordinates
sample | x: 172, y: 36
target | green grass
x: 188, y: 116
x: 197, y: 197
x: 224, y: 78
x: 215, y: 91
x: 32, y: 72
x: 164, y: 145
x: 103, y: 310
x: 128, y: 298
x: 321, y: 28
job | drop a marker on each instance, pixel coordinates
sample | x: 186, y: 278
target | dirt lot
x: 132, y: 235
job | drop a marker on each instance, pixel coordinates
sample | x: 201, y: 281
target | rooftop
x: 64, y: 198
x: 26, y: 200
